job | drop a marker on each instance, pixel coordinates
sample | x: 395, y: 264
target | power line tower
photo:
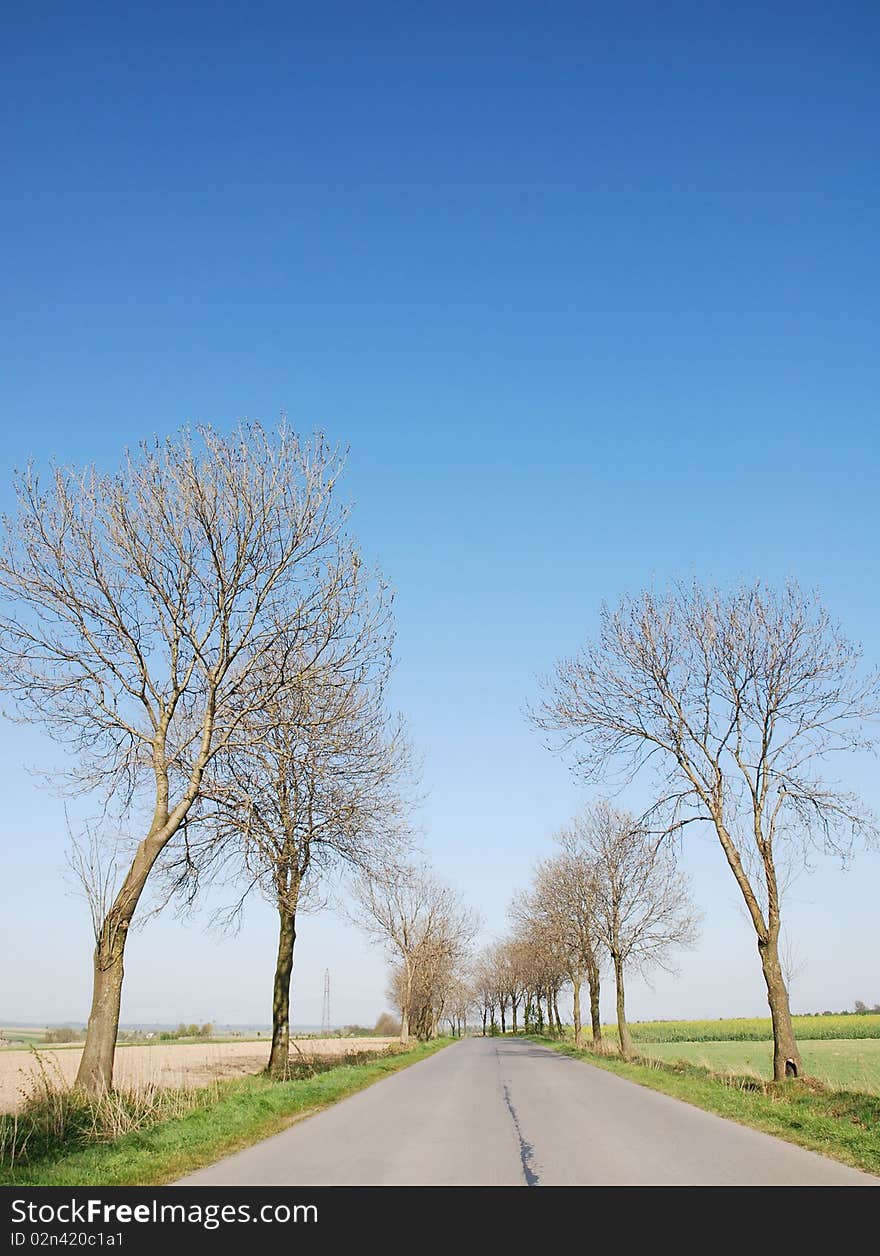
x: 325, y: 1011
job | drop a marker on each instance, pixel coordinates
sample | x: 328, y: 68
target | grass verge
x: 842, y: 1064
x: 244, y: 1111
x: 841, y: 1124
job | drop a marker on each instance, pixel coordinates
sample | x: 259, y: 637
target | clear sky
x: 590, y: 290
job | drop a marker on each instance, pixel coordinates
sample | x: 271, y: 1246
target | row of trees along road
x: 205, y: 639
x: 734, y: 700
x: 613, y: 893
x: 518, y: 978
x: 203, y: 636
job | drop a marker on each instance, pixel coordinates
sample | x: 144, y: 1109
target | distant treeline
x: 387, y: 1026
x: 65, y: 1033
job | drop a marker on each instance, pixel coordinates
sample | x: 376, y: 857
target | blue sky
x: 591, y: 291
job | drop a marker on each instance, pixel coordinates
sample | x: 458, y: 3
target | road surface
x: 502, y: 1112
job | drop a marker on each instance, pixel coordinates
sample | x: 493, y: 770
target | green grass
x: 246, y: 1110
x: 755, y: 1029
x: 838, y: 1123
x: 16, y: 1039
x: 850, y: 1064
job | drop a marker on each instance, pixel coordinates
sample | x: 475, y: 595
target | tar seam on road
x: 526, y: 1150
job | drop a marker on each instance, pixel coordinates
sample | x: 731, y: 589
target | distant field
x: 13, y: 1038
x: 757, y: 1029
x: 21, y: 1036
x: 843, y: 1051
x: 845, y: 1063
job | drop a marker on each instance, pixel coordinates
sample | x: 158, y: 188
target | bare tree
x: 562, y: 905
x: 486, y: 988
x: 541, y: 963
x: 440, y: 966
x: 736, y: 699
x: 458, y: 1004
x: 427, y: 929
x: 641, y: 904
x: 497, y: 973
x: 511, y: 962
x: 137, y: 609
x: 791, y: 960
x: 314, y: 781
x: 94, y: 869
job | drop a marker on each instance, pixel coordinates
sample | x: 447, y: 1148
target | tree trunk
x: 513, y: 1007
x: 556, y: 1013
x: 484, y: 1022
x: 595, y: 1017
x: 626, y: 1046
x: 576, y: 986
x: 503, y: 1018
x: 785, y: 1048
x: 95, y: 1072
x: 407, y: 1000
x: 279, y: 1056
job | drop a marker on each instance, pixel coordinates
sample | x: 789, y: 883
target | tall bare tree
x: 563, y: 904
x: 427, y: 929
x: 316, y: 780
x: 737, y: 699
x: 137, y: 609
x: 640, y: 903
x: 441, y: 964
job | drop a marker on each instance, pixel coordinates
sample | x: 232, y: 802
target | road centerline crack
x: 526, y: 1149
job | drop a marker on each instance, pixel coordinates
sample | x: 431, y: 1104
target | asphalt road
x: 497, y: 1112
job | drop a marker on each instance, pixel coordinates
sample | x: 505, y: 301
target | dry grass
x: 163, y: 1066
x: 52, y: 1112
x: 53, y: 1115
x: 67, y: 1146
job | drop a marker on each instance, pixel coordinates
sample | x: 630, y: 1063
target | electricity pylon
x: 325, y: 1011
